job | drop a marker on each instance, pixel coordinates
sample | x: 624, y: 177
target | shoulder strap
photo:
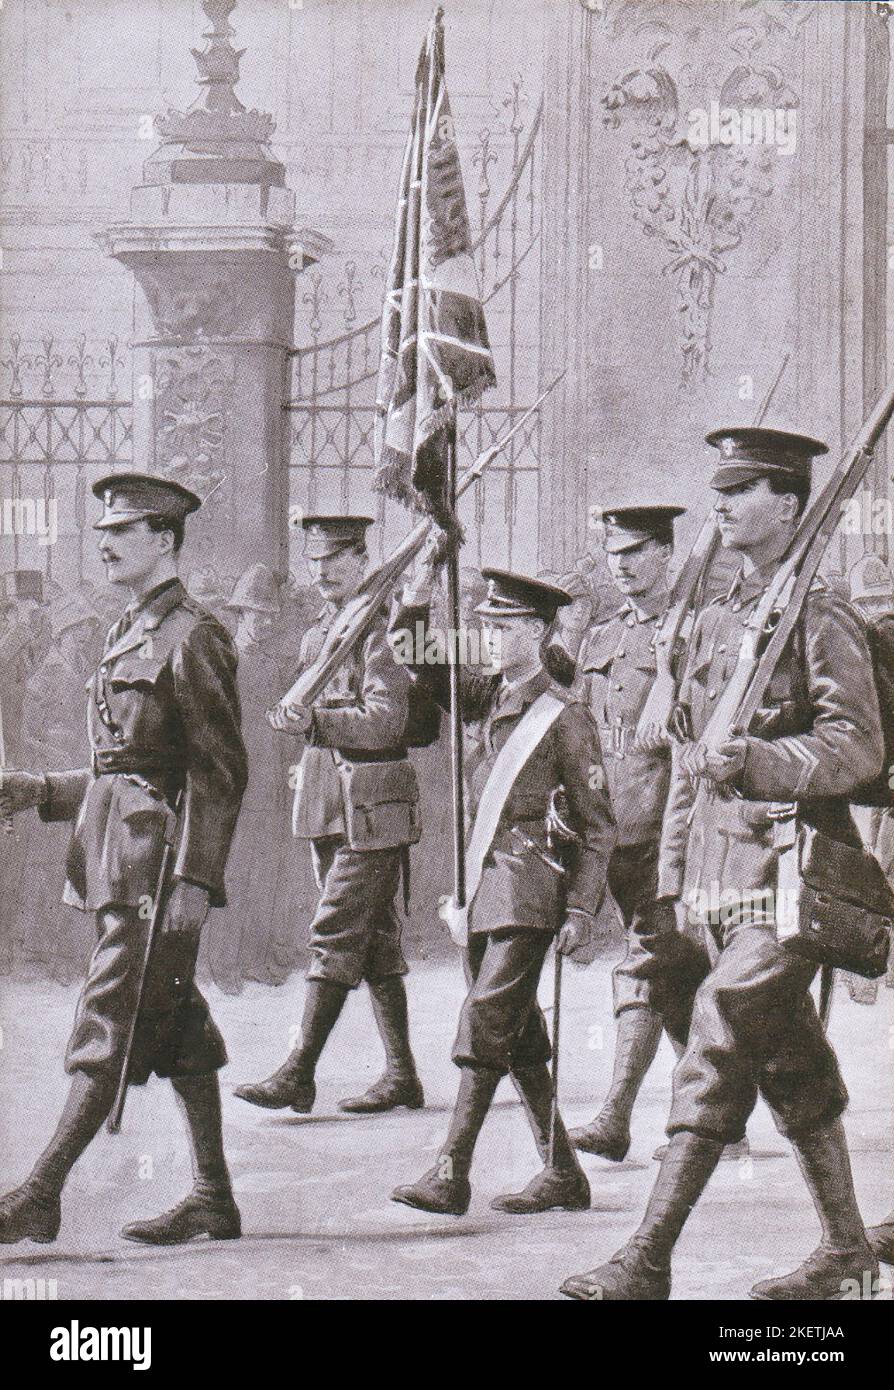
x: 516, y: 751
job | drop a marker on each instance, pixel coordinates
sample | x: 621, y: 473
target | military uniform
x: 521, y: 901
x: 167, y: 763
x: 728, y: 853
x: 163, y: 721
x: 356, y: 802
x: 618, y: 667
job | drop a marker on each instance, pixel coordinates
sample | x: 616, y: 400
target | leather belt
x: 376, y: 755
x: 109, y: 762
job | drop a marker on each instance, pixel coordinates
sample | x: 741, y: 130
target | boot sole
x: 347, y: 1108
x: 261, y: 1104
x: 614, y: 1155
x: 534, y: 1211
x: 181, y: 1240
x: 431, y: 1209
x: 38, y: 1238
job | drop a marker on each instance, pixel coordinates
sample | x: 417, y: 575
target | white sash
x: 512, y: 757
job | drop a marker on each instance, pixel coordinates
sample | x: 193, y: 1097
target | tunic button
x: 618, y: 686
x: 622, y: 653
x: 712, y: 694
x: 736, y: 606
x: 722, y: 647
x: 631, y: 620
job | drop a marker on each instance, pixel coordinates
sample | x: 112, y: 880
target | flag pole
x: 453, y: 652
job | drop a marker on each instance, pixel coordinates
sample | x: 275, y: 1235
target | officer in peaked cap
x: 330, y: 535
x: 521, y: 896
x: 167, y: 765
x: 356, y: 802
x: 617, y: 670
x: 739, y: 816
x: 128, y: 497
x: 755, y: 452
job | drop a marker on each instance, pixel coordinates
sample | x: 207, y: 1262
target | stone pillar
x: 214, y: 250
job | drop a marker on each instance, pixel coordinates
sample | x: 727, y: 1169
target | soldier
x: 356, y: 801
x: 167, y: 761
x: 617, y: 670
x: 731, y: 829
x: 531, y: 741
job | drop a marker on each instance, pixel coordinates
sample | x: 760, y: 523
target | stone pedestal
x: 214, y: 250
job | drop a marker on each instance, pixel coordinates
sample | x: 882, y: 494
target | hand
x: 725, y: 762
x: 290, y: 719
x: 188, y: 908
x: 418, y: 590
x: 574, y: 935
x: 20, y: 791
x: 653, y: 738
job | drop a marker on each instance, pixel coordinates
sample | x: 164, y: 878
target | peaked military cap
x: 128, y: 497
x: 624, y: 528
x: 518, y: 596
x: 756, y: 452
x: 327, y: 535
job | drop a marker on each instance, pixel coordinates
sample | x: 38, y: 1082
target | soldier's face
x: 337, y: 576
x: 512, y: 644
x: 641, y: 570
x: 749, y: 516
x: 131, y: 552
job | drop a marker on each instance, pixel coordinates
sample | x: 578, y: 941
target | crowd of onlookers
x: 51, y: 641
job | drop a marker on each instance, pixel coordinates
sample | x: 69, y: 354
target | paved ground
x: 314, y: 1190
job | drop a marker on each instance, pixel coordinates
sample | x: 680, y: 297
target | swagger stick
x: 557, y: 1012
x: 113, y: 1123
x: 456, y: 714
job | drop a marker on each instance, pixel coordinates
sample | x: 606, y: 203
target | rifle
x: 113, y: 1123
x: 359, y: 614
x: 773, y: 620
x: 656, y: 712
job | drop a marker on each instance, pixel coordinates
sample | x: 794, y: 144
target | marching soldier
x: 730, y: 829
x: 617, y: 670
x: 531, y: 741
x: 356, y: 801
x: 168, y: 763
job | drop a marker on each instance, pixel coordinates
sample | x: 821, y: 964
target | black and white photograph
x: 447, y: 661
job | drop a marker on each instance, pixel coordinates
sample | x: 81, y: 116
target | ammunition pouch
x: 846, y: 907
x: 381, y: 802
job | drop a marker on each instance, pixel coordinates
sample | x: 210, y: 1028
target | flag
x: 435, y: 349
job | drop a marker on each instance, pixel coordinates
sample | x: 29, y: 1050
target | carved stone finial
x: 218, y: 62
x: 216, y: 140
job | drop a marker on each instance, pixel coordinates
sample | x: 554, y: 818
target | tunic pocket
x: 382, y: 805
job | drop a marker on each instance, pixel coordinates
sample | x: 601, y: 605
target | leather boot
x: 881, y: 1239
x: 608, y: 1135
x: 400, y: 1084
x: 642, y: 1270
x: 293, y: 1084
x: 199, y: 1214
x: 562, y: 1183
x: 33, y: 1211
x: 844, y: 1264
x: 27, y: 1213
x: 445, y: 1189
